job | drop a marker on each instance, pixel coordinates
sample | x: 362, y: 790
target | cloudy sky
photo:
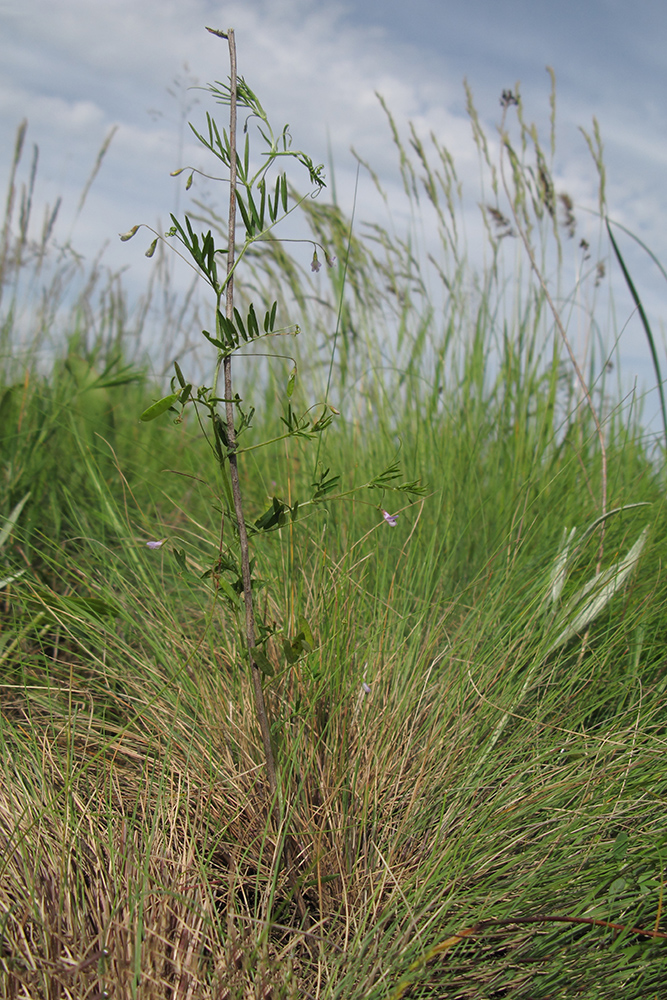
x: 77, y: 68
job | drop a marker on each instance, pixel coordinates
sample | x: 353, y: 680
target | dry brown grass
x: 141, y: 859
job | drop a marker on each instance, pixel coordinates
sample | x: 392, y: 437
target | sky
x: 77, y: 69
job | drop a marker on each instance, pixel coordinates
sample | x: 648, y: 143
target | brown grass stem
x: 250, y: 630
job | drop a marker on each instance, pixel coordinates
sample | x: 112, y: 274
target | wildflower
x: 315, y: 264
x: 366, y: 687
x: 156, y: 545
x: 391, y: 519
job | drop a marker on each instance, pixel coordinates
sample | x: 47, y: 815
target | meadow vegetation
x: 465, y: 707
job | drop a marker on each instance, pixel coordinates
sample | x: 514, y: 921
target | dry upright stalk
x: 260, y: 703
x: 250, y: 631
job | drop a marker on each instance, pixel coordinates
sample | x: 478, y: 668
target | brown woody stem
x: 260, y: 704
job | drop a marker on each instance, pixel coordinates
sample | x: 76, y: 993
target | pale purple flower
x: 391, y: 519
x: 156, y: 545
x: 366, y: 687
x: 315, y: 264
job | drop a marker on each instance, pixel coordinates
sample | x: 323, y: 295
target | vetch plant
x: 262, y: 202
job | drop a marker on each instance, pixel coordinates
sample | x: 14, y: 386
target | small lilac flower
x: 315, y: 264
x: 391, y: 519
x: 366, y: 688
x: 156, y: 545
x: 330, y: 261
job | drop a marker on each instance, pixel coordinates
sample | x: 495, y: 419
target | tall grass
x: 478, y: 807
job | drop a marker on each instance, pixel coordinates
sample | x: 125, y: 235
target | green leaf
x: 291, y: 655
x: 239, y: 325
x: 273, y: 207
x: 262, y: 189
x: 306, y: 630
x: 160, y: 407
x: 179, y: 374
x: 229, y: 592
x: 94, y: 606
x: 261, y: 661
x: 273, y: 517
x: 324, y: 485
x: 258, y: 222
x: 253, y: 325
x: 620, y: 847
x: 228, y: 331
x: 250, y: 229
x: 179, y: 556
x: 213, y: 340
x: 270, y: 318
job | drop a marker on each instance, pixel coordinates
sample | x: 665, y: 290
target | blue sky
x: 76, y: 68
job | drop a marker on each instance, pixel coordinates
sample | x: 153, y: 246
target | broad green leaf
x: 160, y: 407
x: 305, y: 628
x: 273, y: 517
x: 620, y: 848
x: 291, y: 654
x: 228, y: 591
x: 261, y: 661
